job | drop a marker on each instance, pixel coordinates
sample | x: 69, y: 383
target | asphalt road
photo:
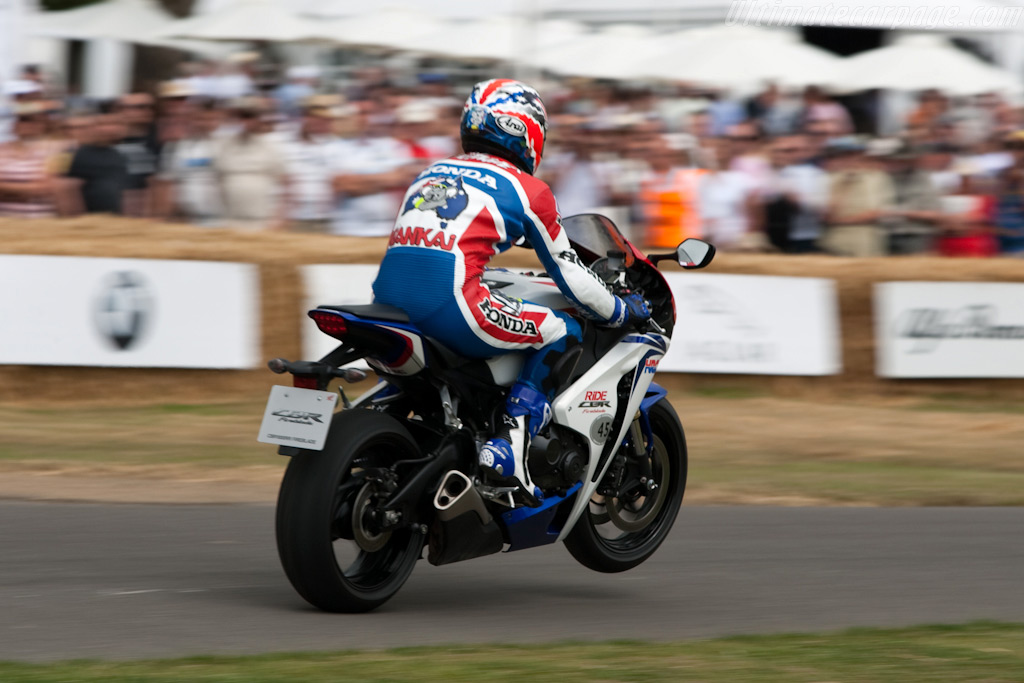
x: 129, y: 581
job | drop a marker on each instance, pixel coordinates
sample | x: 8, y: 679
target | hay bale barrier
x: 278, y: 254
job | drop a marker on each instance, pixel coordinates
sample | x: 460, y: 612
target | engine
x: 558, y: 460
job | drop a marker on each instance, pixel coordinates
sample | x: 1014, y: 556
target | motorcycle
x: 370, y: 485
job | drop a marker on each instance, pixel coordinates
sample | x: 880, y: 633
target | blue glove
x: 635, y: 308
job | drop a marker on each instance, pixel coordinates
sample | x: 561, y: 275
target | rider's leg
x: 527, y: 412
x: 484, y: 324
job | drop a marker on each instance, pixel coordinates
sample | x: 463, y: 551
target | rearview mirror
x: 693, y: 254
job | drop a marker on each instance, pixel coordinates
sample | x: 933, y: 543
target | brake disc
x: 632, y: 521
x: 367, y: 540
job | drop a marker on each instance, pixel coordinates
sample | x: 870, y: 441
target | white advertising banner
x: 60, y: 310
x: 949, y: 329
x: 751, y: 324
x: 332, y: 285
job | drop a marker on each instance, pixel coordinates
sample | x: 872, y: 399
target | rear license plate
x: 298, y: 417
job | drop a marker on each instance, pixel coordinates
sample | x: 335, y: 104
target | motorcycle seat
x: 391, y: 314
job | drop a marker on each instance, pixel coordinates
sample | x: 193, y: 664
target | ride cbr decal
x: 596, y: 402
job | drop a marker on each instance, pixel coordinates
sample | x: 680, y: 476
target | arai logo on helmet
x: 511, y: 125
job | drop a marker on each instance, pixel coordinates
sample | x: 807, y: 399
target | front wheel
x: 619, y: 532
x: 331, y: 551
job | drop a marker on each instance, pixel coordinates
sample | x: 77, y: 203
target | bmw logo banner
x: 61, y: 310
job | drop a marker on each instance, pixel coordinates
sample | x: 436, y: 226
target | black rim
x: 363, y: 571
x: 667, y: 475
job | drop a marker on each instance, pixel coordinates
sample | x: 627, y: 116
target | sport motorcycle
x: 372, y: 481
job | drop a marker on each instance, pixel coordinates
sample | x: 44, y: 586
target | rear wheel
x: 333, y: 549
x: 619, y: 532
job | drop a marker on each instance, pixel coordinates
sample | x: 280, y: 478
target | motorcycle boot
x: 503, y: 458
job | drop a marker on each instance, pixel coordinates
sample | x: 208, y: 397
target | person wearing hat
x: 859, y: 195
x: 27, y: 187
x: 310, y: 160
x: 915, y: 217
x: 251, y: 170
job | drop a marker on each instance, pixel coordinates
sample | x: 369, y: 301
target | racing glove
x: 635, y: 309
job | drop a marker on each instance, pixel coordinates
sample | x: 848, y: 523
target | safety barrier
x: 277, y: 257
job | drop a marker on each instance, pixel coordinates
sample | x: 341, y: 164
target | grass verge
x: 743, y: 448
x: 981, y: 651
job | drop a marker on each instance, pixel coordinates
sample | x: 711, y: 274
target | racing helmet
x: 505, y: 118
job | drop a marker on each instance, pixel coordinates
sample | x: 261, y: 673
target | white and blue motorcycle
x: 370, y: 485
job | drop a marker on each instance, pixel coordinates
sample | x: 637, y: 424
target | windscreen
x: 597, y: 235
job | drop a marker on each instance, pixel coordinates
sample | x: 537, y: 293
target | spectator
x: 1010, y: 213
x: 27, y: 185
x: 300, y: 86
x: 311, y: 166
x: 859, y: 195
x: 916, y: 215
x: 795, y: 197
x: 669, y: 195
x: 141, y: 148
x: 251, y: 171
x: 100, y: 169
x: 970, y: 230
x: 189, y: 183
x: 822, y: 109
x: 729, y: 206
x: 371, y: 170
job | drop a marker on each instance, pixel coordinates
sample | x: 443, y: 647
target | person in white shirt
x: 795, y: 198
x: 371, y: 172
x: 251, y: 171
x: 310, y: 166
x: 729, y: 205
x: 187, y: 167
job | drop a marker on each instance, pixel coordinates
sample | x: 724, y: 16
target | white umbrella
x: 129, y: 21
x: 391, y: 28
x: 114, y: 19
x: 496, y: 38
x: 609, y: 53
x: 248, y: 20
x: 739, y: 56
x: 923, y: 62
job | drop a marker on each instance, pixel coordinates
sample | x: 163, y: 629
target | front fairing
x: 595, y: 237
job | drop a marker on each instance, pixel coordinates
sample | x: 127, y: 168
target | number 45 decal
x: 601, y: 429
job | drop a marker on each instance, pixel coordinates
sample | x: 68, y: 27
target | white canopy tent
x: 740, y: 57
x: 248, y: 20
x: 609, y: 53
x: 921, y: 62
x: 114, y: 19
x: 505, y: 38
x: 393, y: 28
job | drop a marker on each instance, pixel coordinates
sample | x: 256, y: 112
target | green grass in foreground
x: 933, y: 654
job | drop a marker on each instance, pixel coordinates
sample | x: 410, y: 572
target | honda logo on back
x: 124, y: 309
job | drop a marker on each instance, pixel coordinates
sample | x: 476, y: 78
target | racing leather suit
x: 456, y: 216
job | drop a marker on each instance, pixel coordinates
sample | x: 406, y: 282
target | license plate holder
x: 298, y: 417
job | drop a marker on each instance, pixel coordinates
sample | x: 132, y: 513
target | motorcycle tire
x: 315, y: 516
x: 595, y: 541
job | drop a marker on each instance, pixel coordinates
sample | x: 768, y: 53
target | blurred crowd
x: 772, y: 172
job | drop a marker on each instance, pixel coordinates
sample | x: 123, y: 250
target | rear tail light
x: 305, y: 381
x: 330, y: 323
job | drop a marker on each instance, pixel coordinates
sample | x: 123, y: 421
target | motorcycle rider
x: 457, y: 215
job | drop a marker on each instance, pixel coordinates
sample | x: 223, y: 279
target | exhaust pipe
x: 463, y: 528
